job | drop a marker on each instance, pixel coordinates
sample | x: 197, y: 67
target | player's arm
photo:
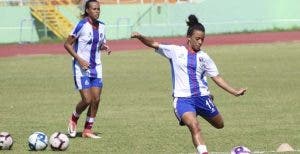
x: 106, y: 48
x: 145, y: 40
x: 69, y: 47
x: 224, y: 85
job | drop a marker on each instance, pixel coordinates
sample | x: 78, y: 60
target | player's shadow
x: 79, y: 134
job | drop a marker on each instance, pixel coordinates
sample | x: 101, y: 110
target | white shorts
x: 92, y: 72
x: 87, y: 78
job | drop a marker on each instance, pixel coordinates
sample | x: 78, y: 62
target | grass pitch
x: 136, y: 115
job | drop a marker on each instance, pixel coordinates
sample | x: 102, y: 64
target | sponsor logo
x: 86, y: 82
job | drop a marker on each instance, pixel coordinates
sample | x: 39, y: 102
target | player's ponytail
x: 193, y: 24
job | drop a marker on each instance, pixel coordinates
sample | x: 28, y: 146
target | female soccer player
x: 190, y: 65
x: 84, y: 44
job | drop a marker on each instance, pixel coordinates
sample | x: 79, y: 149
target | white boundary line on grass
x: 273, y: 151
x: 254, y: 152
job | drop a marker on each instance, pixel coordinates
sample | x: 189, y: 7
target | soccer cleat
x: 87, y: 133
x: 72, y: 128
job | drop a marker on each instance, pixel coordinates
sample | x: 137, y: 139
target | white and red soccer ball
x: 6, y: 141
x: 240, y: 150
x: 59, y: 141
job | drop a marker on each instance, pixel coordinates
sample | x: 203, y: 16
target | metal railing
x: 24, y: 22
x: 33, y: 2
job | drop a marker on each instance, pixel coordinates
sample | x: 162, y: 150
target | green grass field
x: 136, y: 112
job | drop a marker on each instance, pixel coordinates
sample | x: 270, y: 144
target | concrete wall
x: 169, y: 19
x: 217, y: 16
x: 17, y: 25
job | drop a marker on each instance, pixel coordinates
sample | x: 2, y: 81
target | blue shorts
x: 85, y: 82
x: 201, y: 105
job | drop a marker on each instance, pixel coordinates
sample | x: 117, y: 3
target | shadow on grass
x: 79, y: 134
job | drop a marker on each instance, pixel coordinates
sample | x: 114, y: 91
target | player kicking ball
x: 190, y: 66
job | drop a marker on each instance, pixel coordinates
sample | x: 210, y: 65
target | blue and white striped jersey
x: 89, y: 40
x: 189, y: 70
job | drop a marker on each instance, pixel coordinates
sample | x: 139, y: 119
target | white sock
x: 90, y: 119
x: 201, y: 149
x: 76, y: 114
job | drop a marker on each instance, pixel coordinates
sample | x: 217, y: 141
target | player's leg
x: 93, y: 108
x: 185, y: 112
x: 190, y: 120
x: 83, y: 85
x: 96, y: 90
x: 96, y: 94
x: 86, y: 100
x: 216, y: 121
x: 207, y: 109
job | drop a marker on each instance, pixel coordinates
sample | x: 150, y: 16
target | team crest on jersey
x: 90, y: 41
x: 86, y: 82
x: 201, y: 59
x: 91, y: 38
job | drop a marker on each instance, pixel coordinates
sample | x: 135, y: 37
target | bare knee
x: 194, y: 127
x: 219, y: 125
x: 87, y: 100
x: 218, y: 122
x: 96, y: 100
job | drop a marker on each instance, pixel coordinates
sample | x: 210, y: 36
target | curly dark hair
x: 193, y: 24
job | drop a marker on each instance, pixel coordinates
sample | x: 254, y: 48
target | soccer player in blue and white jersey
x: 190, y: 66
x: 84, y: 44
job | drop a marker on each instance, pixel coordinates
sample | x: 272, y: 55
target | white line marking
x: 254, y: 152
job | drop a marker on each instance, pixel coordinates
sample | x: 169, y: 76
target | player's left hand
x: 241, y: 92
x: 106, y: 48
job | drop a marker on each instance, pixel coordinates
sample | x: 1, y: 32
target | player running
x: 190, y: 65
x: 84, y: 45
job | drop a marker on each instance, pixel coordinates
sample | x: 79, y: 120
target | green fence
x: 17, y: 25
x: 167, y: 19
x: 217, y: 16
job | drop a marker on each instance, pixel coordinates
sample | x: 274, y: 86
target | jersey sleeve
x: 210, y: 67
x: 77, y: 29
x: 167, y: 51
x: 103, y: 32
x: 104, y: 40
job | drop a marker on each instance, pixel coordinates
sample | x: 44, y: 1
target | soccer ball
x: 6, y: 141
x: 240, y: 150
x: 59, y: 141
x: 38, y: 141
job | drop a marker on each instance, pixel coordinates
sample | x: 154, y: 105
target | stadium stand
x: 155, y: 18
x: 47, y: 13
x: 137, y: 1
x: 80, y: 2
x: 32, y: 2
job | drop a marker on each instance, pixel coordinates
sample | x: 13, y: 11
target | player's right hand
x: 135, y: 35
x: 84, y: 64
